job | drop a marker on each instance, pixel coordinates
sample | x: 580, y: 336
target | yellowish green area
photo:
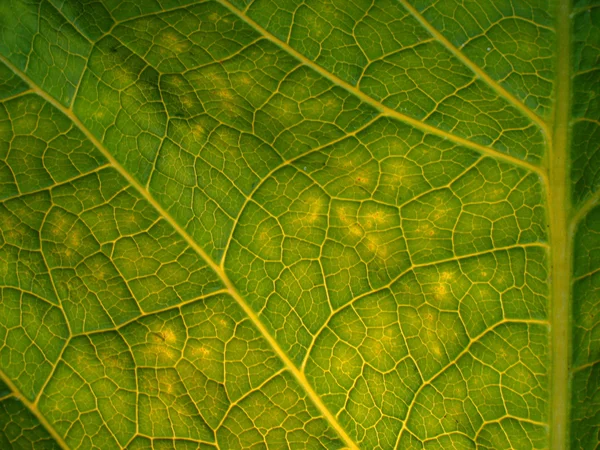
x: 299, y: 224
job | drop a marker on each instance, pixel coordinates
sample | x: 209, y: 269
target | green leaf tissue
x: 300, y: 224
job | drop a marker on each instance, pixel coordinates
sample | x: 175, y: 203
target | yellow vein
x: 386, y: 111
x: 582, y: 277
x: 14, y: 96
x: 235, y: 403
x: 300, y: 377
x: 173, y: 440
x: 62, y: 183
x: 475, y: 68
x: 34, y: 410
x: 54, y: 368
x: 558, y: 211
x: 486, y: 423
x: 587, y: 206
x: 152, y: 313
x: 585, y: 366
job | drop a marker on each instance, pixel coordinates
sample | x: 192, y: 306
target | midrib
x: 558, y: 211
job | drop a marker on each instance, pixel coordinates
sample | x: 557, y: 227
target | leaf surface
x: 299, y: 224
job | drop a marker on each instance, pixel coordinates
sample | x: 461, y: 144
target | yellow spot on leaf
x: 201, y: 351
x: 356, y: 230
x: 198, y: 131
x: 245, y: 79
x: 445, y: 276
x: 224, y: 94
x: 440, y: 290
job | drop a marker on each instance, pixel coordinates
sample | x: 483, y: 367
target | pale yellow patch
x: 440, y: 290
x: 101, y: 273
x: 316, y: 207
x: 245, y: 79
x: 356, y: 230
x: 169, y: 38
x: 224, y: 94
x: 169, y: 336
x: 342, y: 215
x: 167, y: 387
x: 114, y: 362
x: 377, y: 348
x: 396, y: 180
x: 201, y: 351
x: 9, y: 221
x: 75, y: 238
x: 346, y: 163
x: 436, y: 349
x: 317, y: 32
x: 426, y: 229
x: 198, y: 131
x: 377, y: 248
x: 377, y: 218
x: 166, y: 336
x: 187, y: 102
x: 306, y: 218
x: 288, y: 107
x: 123, y: 76
x: 13, y: 235
x: 387, y: 339
x: 396, y: 169
x: 429, y: 318
x: 497, y: 192
x: 181, y: 47
x: 446, y: 276
x: 439, y: 213
x: 177, y: 81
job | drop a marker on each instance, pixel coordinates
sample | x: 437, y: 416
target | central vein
x: 559, y: 206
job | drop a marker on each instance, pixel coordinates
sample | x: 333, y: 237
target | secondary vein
x: 385, y: 110
x: 475, y: 68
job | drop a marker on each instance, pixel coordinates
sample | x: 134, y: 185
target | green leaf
x: 283, y: 224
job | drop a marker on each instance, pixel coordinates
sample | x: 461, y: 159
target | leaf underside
x: 285, y: 224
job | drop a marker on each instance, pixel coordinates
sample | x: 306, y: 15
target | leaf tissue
x: 299, y: 224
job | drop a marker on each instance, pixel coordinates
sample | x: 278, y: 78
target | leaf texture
x: 299, y: 224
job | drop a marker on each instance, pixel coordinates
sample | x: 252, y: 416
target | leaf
x: 319, y: 224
